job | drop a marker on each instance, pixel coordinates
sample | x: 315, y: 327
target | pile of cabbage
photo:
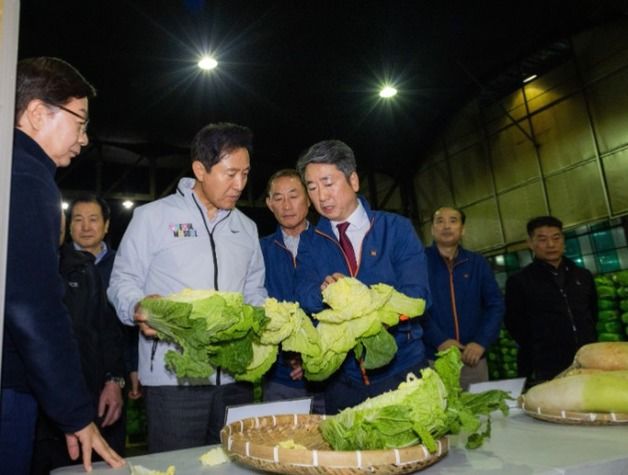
x: 213, y: 328
x: 420, y: 411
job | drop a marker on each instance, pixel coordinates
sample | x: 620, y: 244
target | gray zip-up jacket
x: 168, y: 246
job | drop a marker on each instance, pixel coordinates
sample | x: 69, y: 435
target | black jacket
x: 39, y: 352
x: 100, y: 340
x: 97, y: 329
x: 548, y: 322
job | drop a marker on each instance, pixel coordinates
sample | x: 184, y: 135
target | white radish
x: 591, y: 392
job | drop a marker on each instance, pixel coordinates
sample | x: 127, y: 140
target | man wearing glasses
x: 374, y: 247
x: 40, y: 358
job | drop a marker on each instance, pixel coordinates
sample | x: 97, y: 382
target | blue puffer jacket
x: 280, y: 275
x: 280, y: 265
x: 479, y: 302
x: 391, y: 253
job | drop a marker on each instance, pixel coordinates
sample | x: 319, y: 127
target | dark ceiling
x: 294, y: 71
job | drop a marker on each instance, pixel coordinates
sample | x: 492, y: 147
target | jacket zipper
x: 282, y: 246
x: 563, y: 293
x: 452, y: 298
x: 212, y: 244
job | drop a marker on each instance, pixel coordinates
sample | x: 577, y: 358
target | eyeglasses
x: 83, y: 124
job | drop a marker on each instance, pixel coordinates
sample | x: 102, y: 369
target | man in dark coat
x: 551, y: 305
x: 40, y: 358
x: 101, y: 345
x: 90, y: 217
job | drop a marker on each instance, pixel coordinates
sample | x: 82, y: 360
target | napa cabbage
x: 357, y: 321
x: 420, y: 410
x: 211, y: 329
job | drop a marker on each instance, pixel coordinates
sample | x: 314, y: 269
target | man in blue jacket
x: 467, y: 305
x: 40, y: 358
x: 372, y: 246
x: 287, y: 199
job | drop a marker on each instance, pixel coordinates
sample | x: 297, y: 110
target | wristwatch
x: 119, y: 380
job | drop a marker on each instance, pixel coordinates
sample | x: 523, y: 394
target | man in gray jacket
x: 194, y: 238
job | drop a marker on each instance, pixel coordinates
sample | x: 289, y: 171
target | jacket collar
x: 461, y: 256
x: 72, y: 258
x: 25, y: 142
x: 277, y: 236
x: 324, y: 224
x: 566, y: 263
x: 185, y: 188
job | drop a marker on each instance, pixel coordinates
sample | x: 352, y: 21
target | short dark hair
x: 463, y: 217
x: 50, y: 80
x: 286, y: 172
x: 91, y: 198
x: 541, y: 221
x: 214, y: 140
x: 332, y: 152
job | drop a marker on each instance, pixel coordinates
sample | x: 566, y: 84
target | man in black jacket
x: 551, y: 305
x: 90, y: 217
x: 101, y: 347
x: 40, y: 358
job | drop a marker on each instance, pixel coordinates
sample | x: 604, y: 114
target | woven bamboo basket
x: 572, y: 417
x: 254, y: 442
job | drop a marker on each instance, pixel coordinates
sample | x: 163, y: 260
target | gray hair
x: 332, y: 152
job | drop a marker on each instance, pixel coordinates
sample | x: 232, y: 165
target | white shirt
x: 358, y: 227
x: 292, y: 242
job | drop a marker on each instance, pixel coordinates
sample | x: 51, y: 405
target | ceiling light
x: 207, y: 63
x: 127, y: 204
x: 65, y: 205
x: 387, y: 91
x: 530, y: 78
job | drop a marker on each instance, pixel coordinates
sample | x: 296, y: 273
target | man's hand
x: 472, y: 354
x: 449, y: 343
x: 297, y: 367
x: 330, y: 279
x: 110, y: 403
x: 141, y: 317
x: 88, y: 439
x: 136, y: 387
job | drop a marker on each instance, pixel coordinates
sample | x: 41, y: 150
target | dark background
x: 296, y: 72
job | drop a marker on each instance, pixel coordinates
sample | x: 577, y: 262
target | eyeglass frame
x: 75, y: 114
